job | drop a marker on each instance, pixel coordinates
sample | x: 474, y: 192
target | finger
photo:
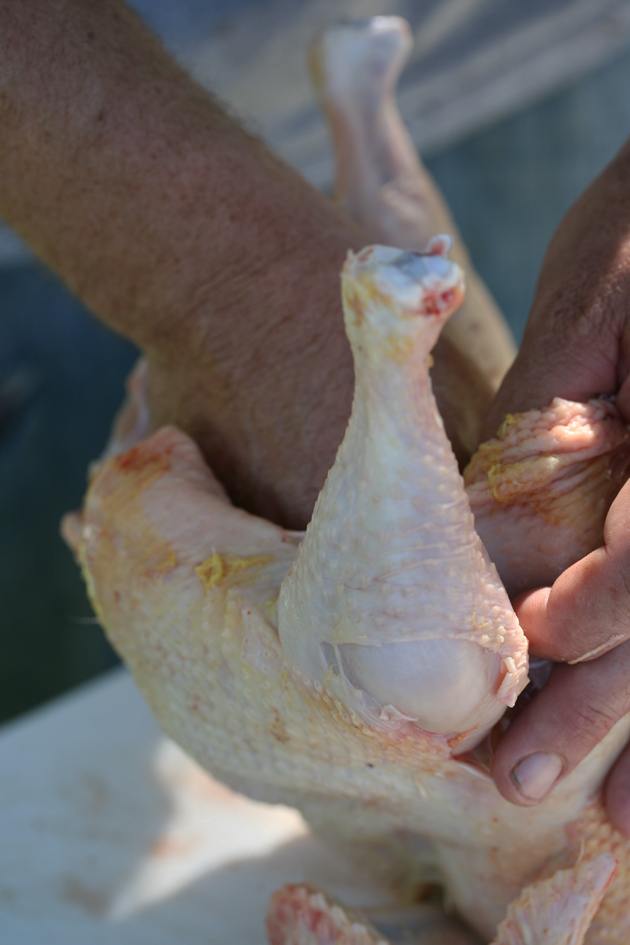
x: 586, y: 612
x: 617, y: 794
x: 583, y: 615
x: 557, y: 358
x: 563, y: 723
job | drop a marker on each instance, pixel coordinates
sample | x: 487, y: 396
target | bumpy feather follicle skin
x: 393, y: 515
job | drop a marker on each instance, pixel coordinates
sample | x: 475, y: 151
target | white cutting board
x: 109, y: 835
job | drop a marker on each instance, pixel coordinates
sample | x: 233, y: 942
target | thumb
x: 566, y: 352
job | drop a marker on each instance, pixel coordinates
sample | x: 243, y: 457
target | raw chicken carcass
x: 356, y: 672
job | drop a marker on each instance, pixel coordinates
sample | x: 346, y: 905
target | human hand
x: 577, y: 346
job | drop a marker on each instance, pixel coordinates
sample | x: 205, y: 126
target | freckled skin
x: 253, y: 645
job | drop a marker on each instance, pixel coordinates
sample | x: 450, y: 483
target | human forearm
x: 128, y: 180
x: 183, y: 232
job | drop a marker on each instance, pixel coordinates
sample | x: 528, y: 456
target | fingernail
x: 535, y: 775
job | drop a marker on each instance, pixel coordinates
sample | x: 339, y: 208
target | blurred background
x: 515, y: 107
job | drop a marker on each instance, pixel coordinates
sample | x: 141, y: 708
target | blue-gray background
x: 61, y: 373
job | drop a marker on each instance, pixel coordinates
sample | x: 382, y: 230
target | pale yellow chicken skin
x: 356, y: 672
